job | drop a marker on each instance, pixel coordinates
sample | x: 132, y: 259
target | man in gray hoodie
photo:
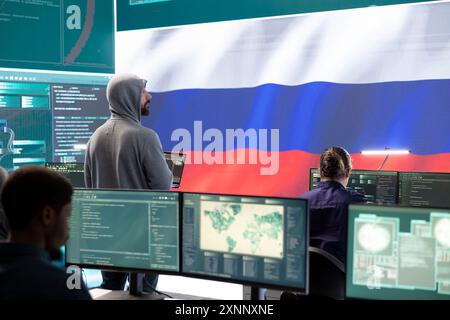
x: 122, y: 154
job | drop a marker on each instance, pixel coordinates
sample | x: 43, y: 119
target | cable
x: 161, y: 293
x: 158, y: 292
x: 384, y: 161
x: 154, y: 289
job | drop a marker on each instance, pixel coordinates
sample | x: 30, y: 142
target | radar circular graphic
x: 374, y: 238
x: 442, y: 232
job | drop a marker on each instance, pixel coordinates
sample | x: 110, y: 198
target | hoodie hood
x: 124, y: 96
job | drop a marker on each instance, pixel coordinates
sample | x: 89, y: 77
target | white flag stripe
x: 369, y: 45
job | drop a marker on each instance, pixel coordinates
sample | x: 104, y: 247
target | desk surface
x: 102, y: 294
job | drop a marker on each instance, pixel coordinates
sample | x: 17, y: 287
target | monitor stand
x: 136, y: 283
x: 135, y: 292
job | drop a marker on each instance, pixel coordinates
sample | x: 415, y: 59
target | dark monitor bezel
x: 421, y: 172
x: 304, y: 291
x: 177, y: 185
x: 134, y: 270
x: 440, y: 172
x: 347, y: 266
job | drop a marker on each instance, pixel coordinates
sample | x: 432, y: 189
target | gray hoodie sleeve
x: 157, y: 172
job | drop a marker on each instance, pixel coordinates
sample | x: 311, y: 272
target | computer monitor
x: 314, y: 178
x: 49, y: 117
x: 175, y: 161
x: 378, y: 186
x: 424, y: 189
x: 258, y: 241
x: 72, y: 171
x: 398, y: 253
x: 124, y: 230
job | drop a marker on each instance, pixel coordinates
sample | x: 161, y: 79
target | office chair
x: 326, y: 278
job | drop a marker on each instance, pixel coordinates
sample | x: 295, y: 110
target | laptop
x: 72, y: 171
x: 175, y: 161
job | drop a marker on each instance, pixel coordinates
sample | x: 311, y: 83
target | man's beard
x: 145, y: 111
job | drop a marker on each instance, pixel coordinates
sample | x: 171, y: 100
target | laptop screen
x: 175, y: 161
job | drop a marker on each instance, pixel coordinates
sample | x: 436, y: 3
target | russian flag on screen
x: 362, y: 79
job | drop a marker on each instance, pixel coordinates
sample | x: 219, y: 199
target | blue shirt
x: 328, y: 208
x: 26, y: 272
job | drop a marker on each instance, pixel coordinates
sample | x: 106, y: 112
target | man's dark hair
x: 334, y: 162
x: 29, y: 189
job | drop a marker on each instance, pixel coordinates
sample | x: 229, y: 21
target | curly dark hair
x: 334, y: 162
